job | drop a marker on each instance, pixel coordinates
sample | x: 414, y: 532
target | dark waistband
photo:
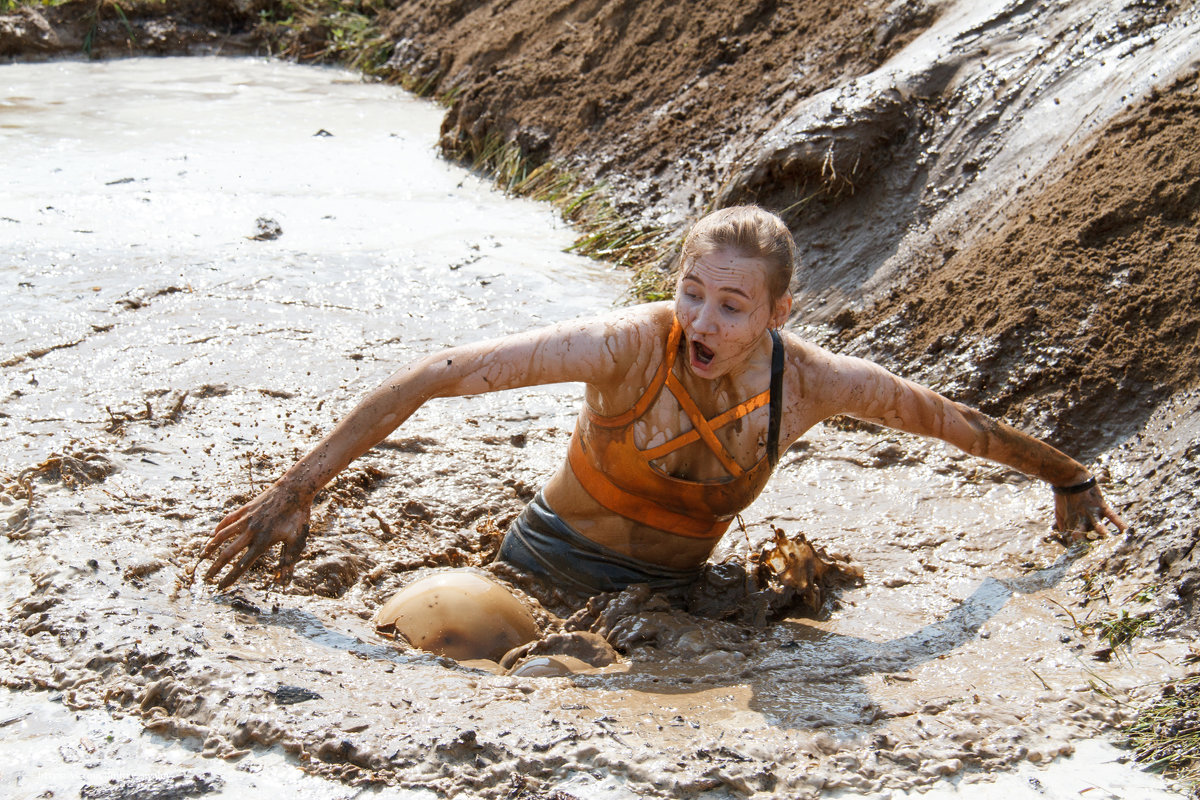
x: 540, y: 541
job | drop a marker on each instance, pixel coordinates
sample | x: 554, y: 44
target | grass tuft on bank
x: 1165, y: 736
x: 345, y: 32
x: 604, y: 234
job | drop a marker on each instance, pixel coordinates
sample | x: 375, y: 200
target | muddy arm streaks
x: 569, y: 352
x: 869, y: 392
x: 575, y: 351
x: 845, y: 385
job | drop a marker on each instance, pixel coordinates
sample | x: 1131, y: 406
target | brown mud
x: 115, y: 29
x: 998, y: 199
x: 1077, y: 317
x: 613, y: 89
x: 972, y: 644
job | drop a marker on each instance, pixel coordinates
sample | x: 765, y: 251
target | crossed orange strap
x: 704, y: 428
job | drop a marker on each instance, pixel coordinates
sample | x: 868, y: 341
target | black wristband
x: 1090, y: 483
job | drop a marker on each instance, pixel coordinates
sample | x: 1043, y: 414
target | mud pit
x: 161, y: 364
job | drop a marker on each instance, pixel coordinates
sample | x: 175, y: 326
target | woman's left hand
x: 1078, y: 515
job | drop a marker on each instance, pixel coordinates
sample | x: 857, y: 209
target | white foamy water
x: 130, y: 191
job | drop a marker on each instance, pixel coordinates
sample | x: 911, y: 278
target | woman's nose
x: 706, y: 319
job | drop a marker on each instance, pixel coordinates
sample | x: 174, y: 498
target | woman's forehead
x: 726, y: 267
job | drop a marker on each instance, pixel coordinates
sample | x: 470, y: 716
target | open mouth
x: 702, y: 354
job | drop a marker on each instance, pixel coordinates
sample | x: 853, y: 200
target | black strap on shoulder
x: 776, y: 406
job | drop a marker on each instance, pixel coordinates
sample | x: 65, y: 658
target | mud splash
x: 197, y: 360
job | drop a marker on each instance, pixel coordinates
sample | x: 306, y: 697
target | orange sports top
x: 623, y: 478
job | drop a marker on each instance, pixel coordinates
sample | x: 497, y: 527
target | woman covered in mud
x: 688, y: 405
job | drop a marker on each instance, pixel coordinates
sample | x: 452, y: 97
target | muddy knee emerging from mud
x: 462, y: 615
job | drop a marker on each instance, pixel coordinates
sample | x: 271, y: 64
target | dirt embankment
x: 1079, y: 309
x: 1082, y: 312
x: 114, y: 29
x: 630, y: 91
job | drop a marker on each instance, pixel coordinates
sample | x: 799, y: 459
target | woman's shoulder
x: 802, y: 352
x: 644, y: 316
x: 645, y: 325
x: 821, y: 368
x: 634, y: 340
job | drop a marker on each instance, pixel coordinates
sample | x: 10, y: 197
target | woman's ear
x: 781, y: 310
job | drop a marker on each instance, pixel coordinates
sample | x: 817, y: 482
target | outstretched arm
x: 869, y: 392
x: 588, y: 351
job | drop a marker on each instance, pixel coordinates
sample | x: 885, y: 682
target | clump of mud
x: 787, y: 574
x: 784, y: 576
x: 80, y: 465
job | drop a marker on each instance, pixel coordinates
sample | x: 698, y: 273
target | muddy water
x: 159, y: 363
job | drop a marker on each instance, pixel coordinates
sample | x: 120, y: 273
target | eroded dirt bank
x: 114, y: 29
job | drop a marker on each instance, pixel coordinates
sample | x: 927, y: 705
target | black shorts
x: 539, y: 541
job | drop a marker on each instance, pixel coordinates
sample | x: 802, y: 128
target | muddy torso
x: 690, y: 481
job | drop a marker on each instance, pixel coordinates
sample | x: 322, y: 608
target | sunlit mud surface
x: 207, y: 262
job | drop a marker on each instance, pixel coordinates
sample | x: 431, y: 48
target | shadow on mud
x: 308, y: 626
x: 810, y: 679
x: 801, y: 677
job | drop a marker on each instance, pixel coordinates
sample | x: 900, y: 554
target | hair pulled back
x: 754, y: 233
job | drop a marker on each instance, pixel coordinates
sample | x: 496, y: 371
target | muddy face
x: 724, y: 307
x: 461, y: 615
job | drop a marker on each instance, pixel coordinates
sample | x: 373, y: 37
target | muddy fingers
x: 222, y: 534
x: 277, y: 516
x: 222, y: 555
x: 1085, y: 515
x: 244, y: 563
x: 1112, y: 516
x: 255, y: 545
x: 289, y: 554
x: 229, y: 520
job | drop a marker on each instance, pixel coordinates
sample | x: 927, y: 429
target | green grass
x: 345, y: 32
x: 1165, y: 736
x: 603, y: 233
x: 13, y: 5
x: 1116, y: 629
x: 1119, y: 629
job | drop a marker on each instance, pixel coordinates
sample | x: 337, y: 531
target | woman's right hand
x: 278, y: 515
x: 1078, y: 515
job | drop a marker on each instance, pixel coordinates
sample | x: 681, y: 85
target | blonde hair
x: 754, y: 233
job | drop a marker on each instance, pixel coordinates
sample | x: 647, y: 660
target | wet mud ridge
x: 956, y: 652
